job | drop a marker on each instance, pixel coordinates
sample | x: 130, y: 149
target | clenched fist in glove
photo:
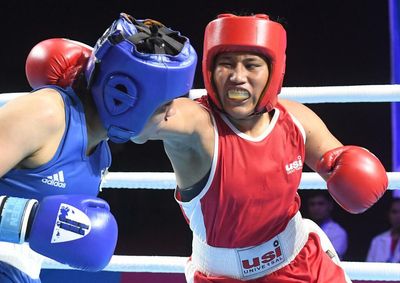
x: 76, y: 230
x: 56, y: 61
x: 355, y: 177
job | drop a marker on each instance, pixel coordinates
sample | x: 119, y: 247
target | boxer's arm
x: 28, y: 124
x: 356, y: 179
x: 177, y: 123
x: 188, y: 137
x: 318, y: 137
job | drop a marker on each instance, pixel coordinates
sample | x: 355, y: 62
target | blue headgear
x: 136, y: 67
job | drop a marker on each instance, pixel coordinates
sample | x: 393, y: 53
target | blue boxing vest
x: 70, y: 171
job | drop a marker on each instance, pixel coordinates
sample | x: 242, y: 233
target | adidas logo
x: 56, y: 180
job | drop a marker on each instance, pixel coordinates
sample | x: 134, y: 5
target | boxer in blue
x: 53, y: 141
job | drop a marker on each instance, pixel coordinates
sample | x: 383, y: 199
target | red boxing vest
x: 251, y: 193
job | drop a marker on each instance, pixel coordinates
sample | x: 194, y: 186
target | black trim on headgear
x: 155, y: 38
x: 152, y: 38
x: 93, y: 76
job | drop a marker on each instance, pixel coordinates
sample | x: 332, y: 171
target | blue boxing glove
x: 76, y: 230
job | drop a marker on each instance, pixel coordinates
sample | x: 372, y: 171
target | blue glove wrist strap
x: 14, y: 219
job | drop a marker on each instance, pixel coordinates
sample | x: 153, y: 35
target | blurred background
x: 330, y: 43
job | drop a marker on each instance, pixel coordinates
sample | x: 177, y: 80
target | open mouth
x: 238, y: 94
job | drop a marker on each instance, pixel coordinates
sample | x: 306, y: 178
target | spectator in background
x: 320, y: 207
x: 385, y: 247
x: 396, y: 193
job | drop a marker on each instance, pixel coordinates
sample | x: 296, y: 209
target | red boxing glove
x: 56, y: 61
x: 356, y: 177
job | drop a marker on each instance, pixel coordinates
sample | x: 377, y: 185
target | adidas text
x: 53, y: 183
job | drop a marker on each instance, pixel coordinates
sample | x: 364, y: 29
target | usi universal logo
x: 262, y: 259
x: 294, y: 166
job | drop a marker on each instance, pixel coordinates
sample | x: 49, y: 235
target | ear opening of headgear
x: 256, y: 34
x: 136, y: 67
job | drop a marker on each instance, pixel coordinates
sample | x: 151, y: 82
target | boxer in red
x: 238, y: 155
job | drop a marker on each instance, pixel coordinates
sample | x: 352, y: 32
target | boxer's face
x: 239, y: 79
x: 319, y: 208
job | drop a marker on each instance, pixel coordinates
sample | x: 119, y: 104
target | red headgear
x: 230, y: 33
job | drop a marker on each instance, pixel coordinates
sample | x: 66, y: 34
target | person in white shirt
x: 385, y: 247
x: 320, y: 207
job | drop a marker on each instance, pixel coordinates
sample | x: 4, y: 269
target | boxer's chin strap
x: 255, y: 113
x: 259, y: 113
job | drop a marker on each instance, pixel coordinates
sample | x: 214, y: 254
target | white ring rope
x: 323, y: 94
x: 173, y: 264
x: 334, y: 94
x: 165, y: 180
x: 5, y: 97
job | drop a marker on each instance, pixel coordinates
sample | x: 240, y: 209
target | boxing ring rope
x: 166, y: 180
x: 162, y: 180
x: 334, y: 94
x: 322, y: 94
x: 172, y: 264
